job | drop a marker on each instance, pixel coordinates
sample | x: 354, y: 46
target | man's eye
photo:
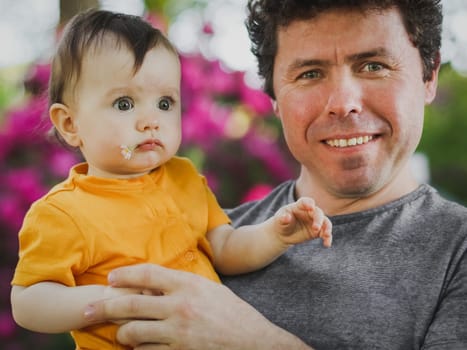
x: 123, y: 104
x: 165, y: 103
x: 311, y: 74
x: 373, y: 67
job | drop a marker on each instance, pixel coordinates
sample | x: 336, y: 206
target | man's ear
x: 432, y: 85
x: 276, y: 109
x: 64, y: 122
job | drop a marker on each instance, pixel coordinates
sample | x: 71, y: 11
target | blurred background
x: 229, y: 130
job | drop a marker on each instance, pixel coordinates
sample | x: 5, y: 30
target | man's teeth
x: 349, y: 142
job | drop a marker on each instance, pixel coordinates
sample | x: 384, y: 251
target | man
x: 349, y: 80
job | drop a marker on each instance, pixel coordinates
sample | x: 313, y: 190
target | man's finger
x: 129, y: 307
x: 149, y: 277
x: 139, y: 332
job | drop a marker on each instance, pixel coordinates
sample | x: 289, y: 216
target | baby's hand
x: 302, y: 221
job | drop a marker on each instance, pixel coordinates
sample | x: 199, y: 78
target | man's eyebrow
x: 380, y: 51
x: 301, y: 63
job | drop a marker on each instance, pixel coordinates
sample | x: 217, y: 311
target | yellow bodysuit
x: 87, y: 226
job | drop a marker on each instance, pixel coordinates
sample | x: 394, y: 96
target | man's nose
x: 345, y: 96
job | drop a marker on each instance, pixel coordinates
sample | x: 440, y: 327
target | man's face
x: 351, y: 99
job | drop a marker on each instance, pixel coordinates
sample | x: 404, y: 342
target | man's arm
x: 191, y: 313
x: 448, y: 328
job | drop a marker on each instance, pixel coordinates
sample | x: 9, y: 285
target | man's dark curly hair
x: 422, y: 19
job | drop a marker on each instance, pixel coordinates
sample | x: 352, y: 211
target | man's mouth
x: 353, y: 141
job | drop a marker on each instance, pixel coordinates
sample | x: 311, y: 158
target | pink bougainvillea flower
x: 26, y: 183
x: 60, y: 161
x: 200, y: 76
x: 12, y: 212
x: 193, y: 77
x: 7, y: 324
x: 37, y: 78
x: 222, y: 81
x: 257, y: 192
x: 28, y: 123
x: 208, y: 29
x: 257, y: 100
x: 273, y: 157
x: 204, y: 122
x: 6, y: 146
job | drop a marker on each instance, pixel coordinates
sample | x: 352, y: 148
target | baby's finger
x: 306, y: 203
x: 326, y: 233
x: 318, y: 220
x: 284, y: 216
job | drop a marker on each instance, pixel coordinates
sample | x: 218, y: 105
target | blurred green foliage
x: 444, y: 141
x: 10, y: 90
x: 172, y: 8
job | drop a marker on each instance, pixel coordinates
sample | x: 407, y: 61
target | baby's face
x: 128, y: 123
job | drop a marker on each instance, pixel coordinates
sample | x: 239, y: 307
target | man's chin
x: 355, y: 189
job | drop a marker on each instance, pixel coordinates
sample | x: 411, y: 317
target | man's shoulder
x: 258, y: 211
x: 450, y: 213
x: 432, y: 216
x: 442, y: 205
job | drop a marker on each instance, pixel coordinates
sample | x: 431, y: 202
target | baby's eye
x: 124, y: 104
x: 165, y: 103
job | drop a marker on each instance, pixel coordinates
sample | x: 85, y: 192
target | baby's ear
x: 63, y: 120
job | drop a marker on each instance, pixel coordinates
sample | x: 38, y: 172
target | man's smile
x: 353, y: 141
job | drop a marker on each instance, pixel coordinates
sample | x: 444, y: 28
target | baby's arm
x: 252, y: 247
x: 50, y: 307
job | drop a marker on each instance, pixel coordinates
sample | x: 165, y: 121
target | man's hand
x: 189, y: 312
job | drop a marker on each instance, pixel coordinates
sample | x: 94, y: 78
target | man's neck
x: 334, y: 204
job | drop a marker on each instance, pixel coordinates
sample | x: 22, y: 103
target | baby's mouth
x: 151, y: 142
x: 127, y: 151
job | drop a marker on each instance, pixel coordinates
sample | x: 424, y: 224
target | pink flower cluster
x: 239, y: 141
x: 29, y: 165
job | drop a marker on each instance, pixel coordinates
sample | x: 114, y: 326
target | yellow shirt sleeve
x: 51, y: 248
x: 216, y: 215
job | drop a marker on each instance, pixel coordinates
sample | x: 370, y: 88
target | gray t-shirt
x: 394, y: 278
